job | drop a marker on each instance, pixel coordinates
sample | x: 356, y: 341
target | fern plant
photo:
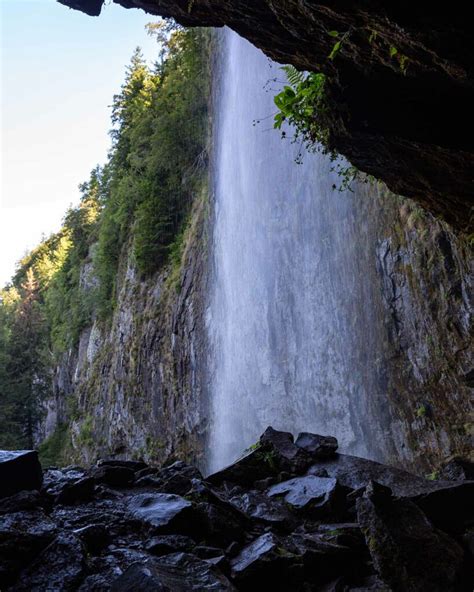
x: 302, y: 105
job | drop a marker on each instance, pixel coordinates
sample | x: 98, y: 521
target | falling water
x: 288, y: 285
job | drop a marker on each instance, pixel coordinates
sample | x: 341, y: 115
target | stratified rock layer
x: 400, y: 88
x: 278, y: 528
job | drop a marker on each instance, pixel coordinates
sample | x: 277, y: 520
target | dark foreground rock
x: 289, y: 515
x: 19, y: 470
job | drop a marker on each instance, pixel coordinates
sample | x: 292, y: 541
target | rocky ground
x: 287, y: 516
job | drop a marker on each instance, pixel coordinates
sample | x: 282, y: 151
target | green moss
x: 52, y: 451
x: 421, y: 411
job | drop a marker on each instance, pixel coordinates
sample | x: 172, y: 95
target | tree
x: 26, y: 380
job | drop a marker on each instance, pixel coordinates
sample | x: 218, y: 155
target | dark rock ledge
x: 400, y: 88
x: 286, y: 516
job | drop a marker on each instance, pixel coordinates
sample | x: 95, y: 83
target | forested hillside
x: 135, y: 208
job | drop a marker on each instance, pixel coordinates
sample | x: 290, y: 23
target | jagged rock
x: 457, y: 469
x: 205, y: 552
x: 323, y: 560
x: 316, y: 496
x: 450, y: 507
x: 215, y: 537
x: 408, y: 552
x: 176, y: 478
x: 221, y: 525
x: 273, y: 453
x: 19, y: 470
x: 95, y: 537
x: 178, y: 572
x: 76, y: 491
x: 135, y: 465
x: 55, y: 479
x: 165, y: 544
x: 345, y: 534
x: 289, y: 456
x: 317, y: 446
x: 357, y: 473
x: 264, y: 562
x: 23, y: 500
x: 22, y: 536
x: 165, y: 512
x: 139, y: 577
x: 59, y: 567
x: 114, y: 476
x: 268, y: 511
x: 254, y: 466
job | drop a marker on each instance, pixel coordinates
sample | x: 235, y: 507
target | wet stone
x: 19, y: 470
x: 162, y: 511
x: 262, y: 508
x: 24, y: 500
x: 114, y: 476
x: 95, y: 537
x: 23, y: 535
x: 317, y: 446
x: 76, y: 491
x: 60, y: 566
x: 165, y: 544
x: 317, y: 495
x: 407, y: 551
x: 176, y: 478
x: 177, y: 572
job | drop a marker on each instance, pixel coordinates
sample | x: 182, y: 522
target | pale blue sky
x: 59, y: 72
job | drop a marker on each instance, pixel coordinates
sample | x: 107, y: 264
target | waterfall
x: 288, y: 283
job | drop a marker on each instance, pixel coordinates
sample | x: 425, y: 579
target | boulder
x: 59, y: 567
x: 95, y: 537
x: 273, y: 453
x: 176, y: 478
x: 114, y: 476
x: 135, y: 465
x: 316, y: 496
x: 74, y: 492
x: 290, y: 457
x: 177, y: 572
x: 19, y: 470
x: 356, y: 473
x: 317, y: 446
x: 408, y: 553
x: 171, y: 543
x: 457, y: 469
x: 139, y: 577
x: 451, y: 507
x: 23, y: 535
x: 265, y: 563
x: 23, y: 500
x: 163, y: 512
x: 268, y: 511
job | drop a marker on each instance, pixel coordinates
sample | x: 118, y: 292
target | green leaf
x: 393, y: 51
x: 333, y: 33
x: 335, y: 49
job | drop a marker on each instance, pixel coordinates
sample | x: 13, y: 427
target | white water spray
x: 286, y: 279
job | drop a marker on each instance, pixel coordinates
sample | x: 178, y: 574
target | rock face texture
x: 135, y: 387
x: 225, y: 533
x: 400, y: 87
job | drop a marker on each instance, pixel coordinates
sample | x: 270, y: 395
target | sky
x: 59, y: 70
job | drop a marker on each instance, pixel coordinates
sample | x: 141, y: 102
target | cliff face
x: 399, y: 87
x: 139, y: 388
x: 420, y: 285
x: 135, y: 388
